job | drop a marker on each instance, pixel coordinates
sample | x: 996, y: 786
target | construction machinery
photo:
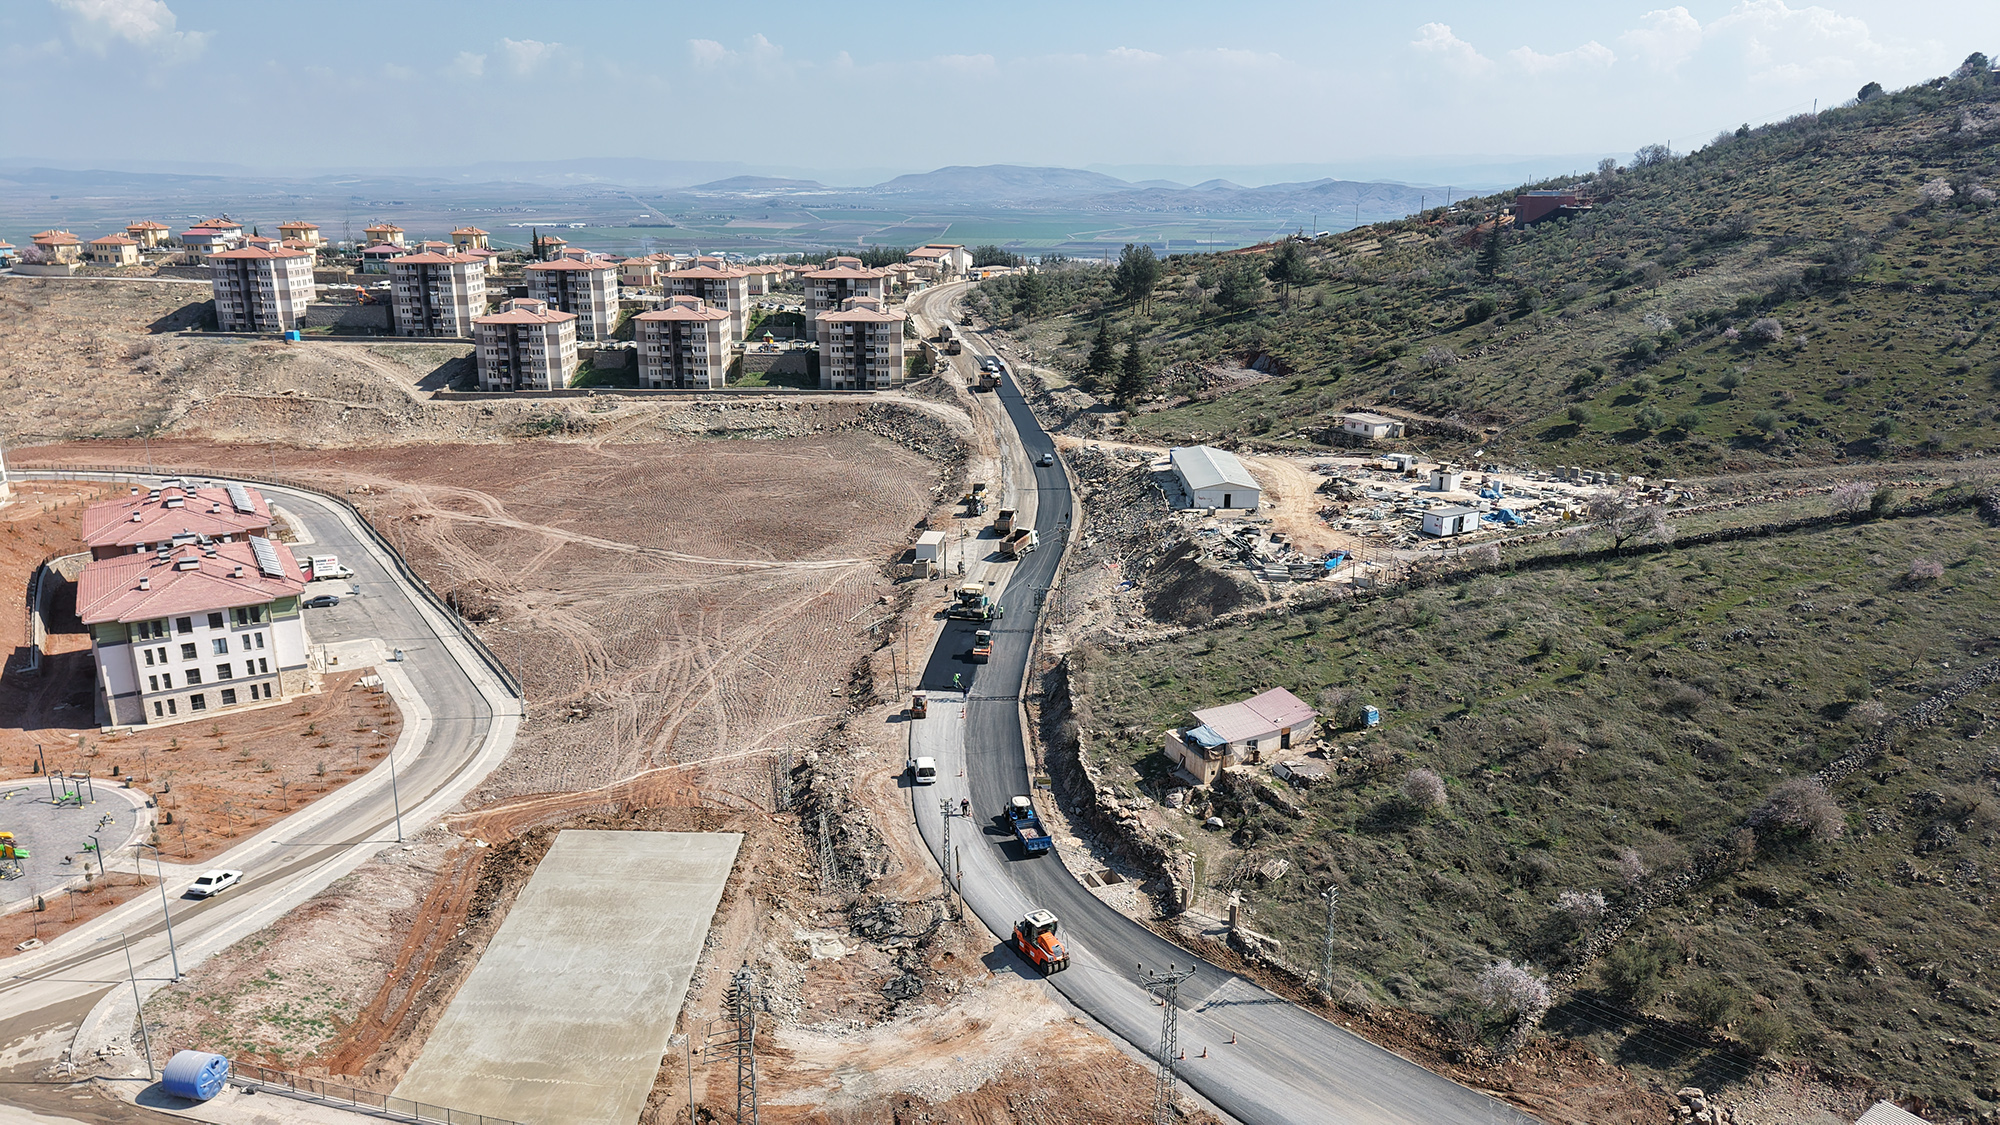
x: 1027, y: 826
x: 920, y: 705
x: 970, y: 603
x: 1019, y: 543
x: 982, y: 646
x: 965, y: 319
x: 975, y: 500
x: 1004, y: 522
x: 1035, y: 938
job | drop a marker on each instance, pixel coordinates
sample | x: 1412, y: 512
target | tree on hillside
x: 1650, y: 155
x: 1241, y: 288
x: 1975, y: 64
x: 875, y: 257
x: 1289, y: 268
x: 1490, y: 255
x: 1102, y: 364
x: 991, y: 255
x: 1868, y: 93
x: 1031, y: 295
x: 1138, y: 271
x: 1133, y: 372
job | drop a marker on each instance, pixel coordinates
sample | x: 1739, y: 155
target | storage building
x: 1214, y: 478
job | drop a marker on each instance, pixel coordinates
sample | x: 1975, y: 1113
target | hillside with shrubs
x: 1814, y: 290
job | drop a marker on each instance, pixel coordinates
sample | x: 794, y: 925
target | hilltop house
x: 148, y: 234
x: 114, y: 250
x: 383, y: 232
x: 1372, y: 427
x: 1236, y: 734
x: 58, y: 246
x: 300, y: 231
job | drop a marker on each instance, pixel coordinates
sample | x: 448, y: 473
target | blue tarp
x: 1204, y: 736
x: 194, y: 1074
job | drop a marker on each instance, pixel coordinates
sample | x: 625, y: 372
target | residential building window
x: 193, y: 676
x: 152, y: 683
x: 166, y: 681
x: 215, y: 621
x: 187, y: 651
x: 263, y: 666
x: 197, y: 702
x: 222, y: 672
x: 221, y: 646
x: 157, y: 709
x: 162, y: 650
x: 183, y: 624
x: 229, y: 697
x: 149, y: 658
x: 170, y: 708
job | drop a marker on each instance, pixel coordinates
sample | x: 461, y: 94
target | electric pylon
x: 1167, y: 986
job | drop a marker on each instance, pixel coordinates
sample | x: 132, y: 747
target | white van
x: 923, y: 771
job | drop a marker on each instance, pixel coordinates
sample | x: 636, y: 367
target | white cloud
x: 1132, y: 55
x: 95, y: 24
x: 1591, y: 54
x: 1461, y: 56
x: 525, y: 56
x: 469, y: 65
x: 707, y: 52
x: 1670, y: 36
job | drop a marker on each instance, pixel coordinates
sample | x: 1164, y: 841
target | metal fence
x: 309, y: 1089
x: 485, y: 654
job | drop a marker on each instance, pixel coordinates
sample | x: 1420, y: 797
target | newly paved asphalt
x: 1286, y: 1065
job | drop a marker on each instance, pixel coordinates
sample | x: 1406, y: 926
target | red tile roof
x: 145, y: 586
x: 471, y: 230
x: 198, y: 511
x: 382, y: 226
x: 708, y: 272
x: 388, y: 248
x: 56, y: 238
x: 147, y: 224
x: 256, y: 253
x: 433, y: 258
x: 114, y: 240
x: 1257, y: 717
x: 571, y: 264
x: 296, y: 225
x: 846, y: 272
x: 685, y: 308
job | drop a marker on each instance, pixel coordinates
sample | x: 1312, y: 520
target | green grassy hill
x: 1818, y: 289
x: 1602, y: 727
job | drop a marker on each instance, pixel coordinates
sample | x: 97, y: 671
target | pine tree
x: 1103, y: 361
x: 1133, y: 372
x: 1489, y: 255
x: 1289, y: 268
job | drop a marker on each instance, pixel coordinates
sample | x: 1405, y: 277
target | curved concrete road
x: 460, y: 723
x: 1285, y: 1065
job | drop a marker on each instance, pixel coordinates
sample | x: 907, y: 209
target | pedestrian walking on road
x: 965, y: 807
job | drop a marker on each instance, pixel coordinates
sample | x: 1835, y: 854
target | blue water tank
x: 1370, y: 716
x: 292, y: 337
x: 194, y: 1074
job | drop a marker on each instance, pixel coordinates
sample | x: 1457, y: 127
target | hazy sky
x: 846, y: 85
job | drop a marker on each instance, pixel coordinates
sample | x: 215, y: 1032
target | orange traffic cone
x: 1232, y: 1039
x: 1204, y: 1052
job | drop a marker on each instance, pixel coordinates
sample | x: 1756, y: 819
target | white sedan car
x: 211, y: 883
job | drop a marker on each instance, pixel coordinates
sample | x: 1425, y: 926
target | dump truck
x: 975, y: 500
x: 920, y: 705
x: 965, y: 319
x: 982, y: 646
x: 970, y: 603
x: 953, y: 347
x: 989, y: 380
x: 1027, y: 826
x: 1004, y: 522
x: 1020, y: 543
x: 1035, y: 938
x: 923, y: 771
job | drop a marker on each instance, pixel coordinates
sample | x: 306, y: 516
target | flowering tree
x: 1935, y: 192
x: 1766, y: 330
x: 1507, y: 989
x: 1584, y: 908
x: 1424, y: 789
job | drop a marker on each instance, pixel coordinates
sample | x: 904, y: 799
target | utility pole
x: 1332, y: 897
x: 944, y: 856
x: 144, y: 1038
x: 1167, y: 987
x: 742, y: 1000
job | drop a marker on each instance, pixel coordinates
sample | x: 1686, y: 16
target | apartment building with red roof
x: 526, y: 346
x: 829, y: 289
x: 189, y: 630
x: 686, y: 345
x: 719, y: 287
x: 860, y: 346
x: 176, y: 513
x: 260, y: 290
x: 437, y: 294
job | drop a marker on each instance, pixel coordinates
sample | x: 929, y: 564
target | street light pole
x: 394, y: 795
x: 144, y: 1037
x: 160, y: 873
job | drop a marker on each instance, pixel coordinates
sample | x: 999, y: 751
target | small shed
x: 1889, y: 1113
x: 1371, y: 426
x: 929, y: 557
x: 1446, y: 478
x: 1453, y: 520
x: 1214, y: 478
x: 1399, y: 462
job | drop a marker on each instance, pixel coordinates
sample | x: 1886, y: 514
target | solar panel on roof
x: 267, y: 557
x: 239, y: 498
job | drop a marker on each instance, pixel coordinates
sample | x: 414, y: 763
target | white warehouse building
x: 1214, y: 478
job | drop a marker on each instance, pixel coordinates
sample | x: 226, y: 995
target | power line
x: 742, y: 1002
x: 1167, y: 986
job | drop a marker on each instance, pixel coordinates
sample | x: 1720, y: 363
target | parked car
x: 211, y: 883
x: 322, y: 601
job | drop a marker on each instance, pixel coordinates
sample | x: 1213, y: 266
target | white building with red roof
x: 149, y: 234
x: 860, y: 347
x: 719, y: 287
x: 1239, y: 733
x: 687, y: 345
x: 298, y: 230
x: 828, y: 289
x: 59, y: 246
x: 189, y: 630
x: 586, y: 288
x: 526, y: 346
x: 947, y: 259
x: 113, y: 250
x: 383, y: 232
x: 260, y: 290
x: 437, y: 294
x: 470, y: 238
x: 177, y: 512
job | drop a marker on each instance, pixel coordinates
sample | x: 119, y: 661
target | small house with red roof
x: 149, y: 234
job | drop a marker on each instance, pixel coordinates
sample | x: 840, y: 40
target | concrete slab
x: 570, y: 1009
